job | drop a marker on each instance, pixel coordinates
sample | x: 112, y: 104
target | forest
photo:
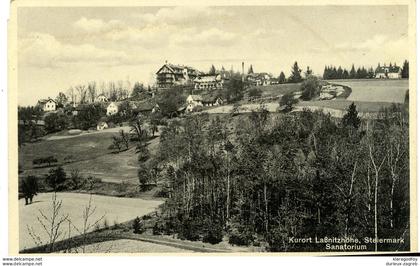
x: 263, y: 178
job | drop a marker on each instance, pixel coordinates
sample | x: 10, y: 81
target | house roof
x: 182, y: 108
x: 44, y: 101
x: 102, y: 119
x: 389, y: 69
x: 208, y: 78
x: 177, y: 69
x: 258, y: 75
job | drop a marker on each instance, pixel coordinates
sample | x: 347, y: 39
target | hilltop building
x: 259, y: 79
x: 209, y: 82
x: 170, y: 74
x: 388, y: 72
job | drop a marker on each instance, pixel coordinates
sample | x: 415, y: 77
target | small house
x: 102, y: 98
x: 388, y: 72
x: 212, y: 101
x: 112, y: 109
x: 102, y: 125
x: 259, y: 79
x: 47, y: 105
x: 193, y: 101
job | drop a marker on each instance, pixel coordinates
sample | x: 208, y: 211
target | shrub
x: 214, y: 234
x: 138, y: 226
x: 45, y: 160
x: 310, y: 88
x: 190, y: 230
x: 29, y: 188
x: 56, y: 122
x: 277, y: 240
x: 56, y: 178
x: 146, y: 217
x: 288, y: 101
x: 240, y: 235
x: 91, y: 182
x: 76, y: 179
x: 254, y: 92
x: 158, y: 227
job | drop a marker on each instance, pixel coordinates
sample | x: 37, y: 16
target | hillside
x: 88, y: 153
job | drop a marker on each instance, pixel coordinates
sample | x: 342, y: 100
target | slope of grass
x: 88, y: 153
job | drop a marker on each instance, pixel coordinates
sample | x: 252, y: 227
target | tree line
x: 332, y: 72
x: 262, y: 178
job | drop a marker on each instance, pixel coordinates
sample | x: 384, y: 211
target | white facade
x: 102, y: 126
x: 49, y: 105
x: 208, y: 82
x: 194, y: 101
x: 112, y: 109
x: 394, y: 75
x: 388, y: 72
x: 102, y: 99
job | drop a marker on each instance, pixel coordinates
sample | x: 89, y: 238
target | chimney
x: 243, y: 78
x: 166, y: 61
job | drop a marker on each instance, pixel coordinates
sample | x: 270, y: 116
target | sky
x: 62, y: 47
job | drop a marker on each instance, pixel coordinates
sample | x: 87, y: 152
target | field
x: 89, y: 153
x: 278, y: 89
x: 375, y: 90
x: 116, y: 210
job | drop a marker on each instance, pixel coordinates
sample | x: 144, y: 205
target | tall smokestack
x: 243, y: 77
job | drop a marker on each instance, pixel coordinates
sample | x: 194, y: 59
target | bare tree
x: 52, y: 225
x: 377, y: 164
x: 395, y: 152
x: 88, y: 225
x: 112, y: 91
x: 120, y: 89
x: 71, y: 94
x: 92, y: 91
x: 348, y: 196
x: 81, y: 90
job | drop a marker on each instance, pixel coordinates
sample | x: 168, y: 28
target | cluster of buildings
x: 170, y: 74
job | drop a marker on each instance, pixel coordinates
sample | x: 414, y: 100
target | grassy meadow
x: 88, y: 153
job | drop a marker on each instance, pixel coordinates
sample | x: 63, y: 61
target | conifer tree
x: 351, y: 118
x: 282, y: 78
x: 352, y: 72
x: 250, y: 70
x: 295, y: 76
x: 405, y: 71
